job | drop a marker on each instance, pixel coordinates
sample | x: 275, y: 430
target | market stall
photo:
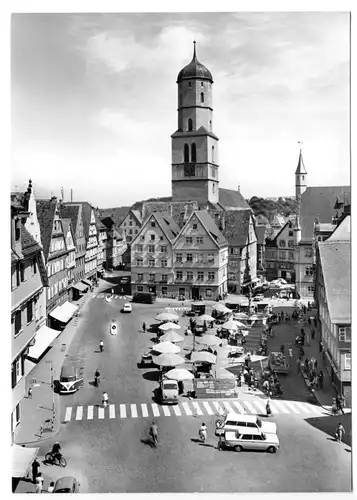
x: 278, y: 362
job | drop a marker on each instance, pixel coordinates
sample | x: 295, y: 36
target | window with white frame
x: 189, y: 275
x: 308, y: 252
x: 347, y: 361
x: 151, y: 277
x: 310, y: 290
x: 163, y: 248
x: 140, y: 276
x: 208, y: 292
x: 179, y: 275
x: 151, y: 262
x: 200, y: 276
x: 164, y: 263
x: 210, y: 257
x: 290, y: 243
x: 140, y: 288
x: 151, y: 248
x: 152, y: 237
x: 344, y: 334
x: 291, y: 255
x: 282, y: 255
x: 189, y: 257
x: 179, y: 257
x: 282, y: 243
x: 139, y: 248
x: 231, y: 276
x: 194, y: 225
x: 164, y: 278
x: 211, y: 276
x: 199, y: 240
x: 309, y: 271
x: 139, y: 262
x: 189, y: 240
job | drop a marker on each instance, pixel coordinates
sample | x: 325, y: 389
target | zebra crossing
x: 103, y: 295
x: 188, y: 409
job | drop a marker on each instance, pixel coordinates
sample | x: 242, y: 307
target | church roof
x: 86, y: 215
x: 232, y: 200
x: 236, y: 226
x: 194, y: 70
x: 318, y: 201
x: 300, y: 169
x: 202, y: 131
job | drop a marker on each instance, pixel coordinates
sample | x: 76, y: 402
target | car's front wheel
x: 238, y: 448
x: 271, y: 449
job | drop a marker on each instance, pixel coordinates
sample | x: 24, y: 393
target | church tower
x: 194, y: 145
x: 300, y: 178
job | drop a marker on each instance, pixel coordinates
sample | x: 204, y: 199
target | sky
x: 94, y: 100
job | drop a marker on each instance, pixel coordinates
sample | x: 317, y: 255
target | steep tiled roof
x: 70, y: 212
x: 211, y: 227
x: 108, y: 222
x: 45, y: 214
x: 167, y: 224
x: 86, y: 215
x: 320, y: 202
x: 201, y: 131
x: 343, y: 231
x: 232, y: 200
x: 300, y: 169
x: 260, y: 231
x: 137, y: 214
x: 18, y: 200
x: 336, y: 268
x: 236, y: 226
x: 28, y: 244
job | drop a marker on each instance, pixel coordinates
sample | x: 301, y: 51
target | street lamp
x: 52, y: 387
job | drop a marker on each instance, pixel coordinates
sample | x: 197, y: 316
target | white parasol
x: 179, y: 374
x: 168, y: 359
x: 172, y: 336
x: 166, y: 347
x: 169, y: 326
x: 167, y: 316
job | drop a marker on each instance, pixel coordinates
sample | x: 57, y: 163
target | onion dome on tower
x: 194, y: 70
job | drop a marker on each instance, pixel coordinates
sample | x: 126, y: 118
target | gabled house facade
x: 71, y: 260
x: 200, y: 259
x: 74, y: 212
x: 55, y: 253
x: 28, y: 314
x: 151, y: 255
x: 131, y: 225
x: 280, y: 254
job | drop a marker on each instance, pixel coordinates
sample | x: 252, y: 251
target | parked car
x: 66, y: 484
x: 124, y: 279
x: 169, y: 391
x: 258, y: 297
x: 127, y: 308
x: 251, y: 439
x: 234, y: 421
x: 145, y: 298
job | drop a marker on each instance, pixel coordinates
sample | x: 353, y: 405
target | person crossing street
x: 105, y: 399
x: 101, y: 346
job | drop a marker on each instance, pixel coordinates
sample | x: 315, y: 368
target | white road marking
x: 278, y: 405
x: 228, y: 406
x: 166, y: 411
x: 100, y: 412
x: 68, y: 414
x: 177, y: 411
x: 292, y: 406
x: 208, y: 408
x: 122, y: 411
x: 187, y: 408
x: 250, y: 407
x: 155, y: 410
x: 111, y: 411
x: 90, y: 412
x: 260, y: 406
x: 133, y: 410
x: 311, y: 408
x: 239, y: 407
x: 144, y: 410
x: 197, y: 408
x: 218, y: 407
x: 79, y: 413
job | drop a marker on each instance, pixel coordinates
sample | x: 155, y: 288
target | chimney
x: 238, y: 188
x: 71, y: 195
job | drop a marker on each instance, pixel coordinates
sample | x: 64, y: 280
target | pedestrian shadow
x: 148, y: 442
x: 153, y: 375
x: 207, y: 445
x: 92, y: 383
x: 98, y: 351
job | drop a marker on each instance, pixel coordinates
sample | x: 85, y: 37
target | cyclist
x: 153, y: 432
x: 56, y: 450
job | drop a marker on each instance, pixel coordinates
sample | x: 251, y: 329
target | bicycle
x: 57, y: 459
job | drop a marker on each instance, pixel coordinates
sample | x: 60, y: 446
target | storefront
x: 60, y: 316
x: 42, y: 342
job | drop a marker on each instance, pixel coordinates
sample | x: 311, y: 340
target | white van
x: 235, y: 420
x: 169, y: 391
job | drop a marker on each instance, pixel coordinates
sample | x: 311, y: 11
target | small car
x: 258, y: 297
x: 236, y: 421
x: 127, y: 308
x: 251, y: 439
x: 67, y: 484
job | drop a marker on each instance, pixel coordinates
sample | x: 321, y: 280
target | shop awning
x: 44, y: 337
x: 80, y: 287
x: 22, y: 459
x: 87, y: 282
x: 64, y: 312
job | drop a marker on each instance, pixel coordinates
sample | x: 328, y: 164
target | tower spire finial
x: 301, y: 143
x: 194, y: 48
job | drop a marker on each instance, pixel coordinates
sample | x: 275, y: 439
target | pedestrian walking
x: 112, y: 291
x: 144, y: 327
x: 320, y: 346
x: 315, y: 321
x: 339, y: 432
x: 321, y: 379
x: 290, y: 353
x: 39, y: 483
x: 101, y: 346
x: 105, y: 399
x: 313, y: 334
x: 268, y: 408
x: 309, y: 320
x: 35, y: 469
x: 220, y: 442
x: 29, y: 393
x: 315, y: 364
